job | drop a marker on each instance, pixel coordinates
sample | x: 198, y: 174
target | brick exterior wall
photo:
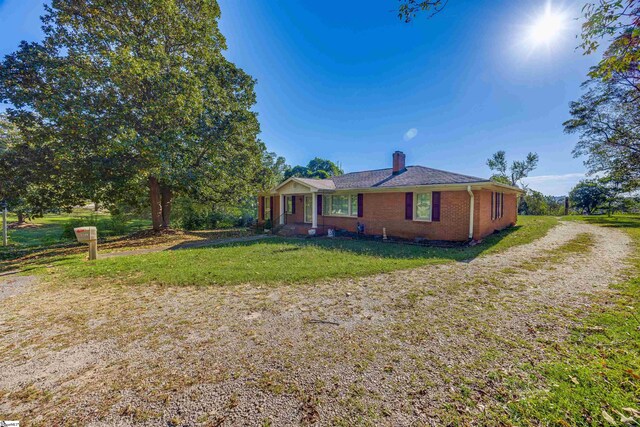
x: 483, y: 224
x: 275, y: 208
x: 388, y: 210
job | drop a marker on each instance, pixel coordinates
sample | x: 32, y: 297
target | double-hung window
x: 422, y: 207
x: 340, y: 205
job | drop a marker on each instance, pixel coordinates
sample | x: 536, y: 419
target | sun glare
x: 547, y: 27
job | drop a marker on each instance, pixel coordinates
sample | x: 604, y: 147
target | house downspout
x: 471, y: 211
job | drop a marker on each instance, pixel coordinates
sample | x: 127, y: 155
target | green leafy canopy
x: 136, y: 92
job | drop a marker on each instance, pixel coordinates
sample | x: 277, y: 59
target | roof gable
x: 304, y: 185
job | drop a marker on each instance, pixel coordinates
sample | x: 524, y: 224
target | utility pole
x: 4, y: 222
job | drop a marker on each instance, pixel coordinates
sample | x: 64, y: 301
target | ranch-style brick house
x: 408, y: 202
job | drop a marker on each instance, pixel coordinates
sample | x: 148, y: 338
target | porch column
x: 314, y: 210
x: 282, y: 208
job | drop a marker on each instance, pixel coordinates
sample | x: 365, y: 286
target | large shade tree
x: 138, y: 94
x: 588, y: 195
x: 607, y: 121
x: 607, y: 116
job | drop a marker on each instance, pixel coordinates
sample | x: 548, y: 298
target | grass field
x: 58, y: 229
x: 289, y: 260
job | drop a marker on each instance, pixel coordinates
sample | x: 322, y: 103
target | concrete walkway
x: 187, y: 245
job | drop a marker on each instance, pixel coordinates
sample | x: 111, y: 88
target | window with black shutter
x: 435, y: 206
x: 408, y: 206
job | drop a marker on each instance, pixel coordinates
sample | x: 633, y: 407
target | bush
x: 190, y: 215
x: 107, y: 225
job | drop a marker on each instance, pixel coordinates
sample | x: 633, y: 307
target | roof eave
x: 451, y: 186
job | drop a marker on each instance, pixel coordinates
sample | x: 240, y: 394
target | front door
x: 308, y: 209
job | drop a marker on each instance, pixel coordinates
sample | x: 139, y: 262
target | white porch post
x: 282, y: 207
x: 314, y: 210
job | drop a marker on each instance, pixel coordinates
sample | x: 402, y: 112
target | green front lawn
x: 289, y: 260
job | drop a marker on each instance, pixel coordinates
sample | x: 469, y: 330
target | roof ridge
x: 442, y: 170
x: 368, y: 170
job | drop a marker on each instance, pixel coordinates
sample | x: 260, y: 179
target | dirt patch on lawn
x: 429, y: 346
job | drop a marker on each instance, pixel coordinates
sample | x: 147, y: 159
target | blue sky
x: 348, y: 81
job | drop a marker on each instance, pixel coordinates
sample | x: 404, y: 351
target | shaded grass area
x: 290, y: 260
x: 595, y: 379
x: 53, y: 231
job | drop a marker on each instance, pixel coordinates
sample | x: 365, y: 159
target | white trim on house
x: 313, y: 185
x: 282, y: 208
x: 304, y: 209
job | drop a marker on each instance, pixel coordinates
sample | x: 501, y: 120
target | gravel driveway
x: 426, y: 346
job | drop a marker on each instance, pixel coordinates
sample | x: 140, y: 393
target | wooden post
x: 566, y: 206
x: 93, y: 250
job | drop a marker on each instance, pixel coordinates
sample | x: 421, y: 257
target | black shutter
x: 501, y: 205
x: 435, y: 206
x: 319, y: 204
x: 293, y: 204
x: 360, y: 205
x: 493, y: 205
x: 408, y: 206
x: 271, y: 209
x: 261, y: 208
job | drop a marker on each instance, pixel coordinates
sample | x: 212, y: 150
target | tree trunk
x: 156, y: 206
x: 20, y: 217
x: 166, y: 196
x: 95, y: 206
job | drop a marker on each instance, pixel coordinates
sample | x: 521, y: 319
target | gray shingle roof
x: 384, y: 178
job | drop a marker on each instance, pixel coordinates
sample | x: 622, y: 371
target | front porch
x: 299, y: 204
x: 298, y: 214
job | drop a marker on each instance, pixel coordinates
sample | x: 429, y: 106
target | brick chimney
x: 398, y: 162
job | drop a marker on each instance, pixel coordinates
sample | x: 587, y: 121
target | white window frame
x: 310, y: 208
x: 415, y: 206
x: 327, y: 205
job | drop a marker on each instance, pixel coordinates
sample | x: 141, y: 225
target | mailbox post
x: 88, y: 235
